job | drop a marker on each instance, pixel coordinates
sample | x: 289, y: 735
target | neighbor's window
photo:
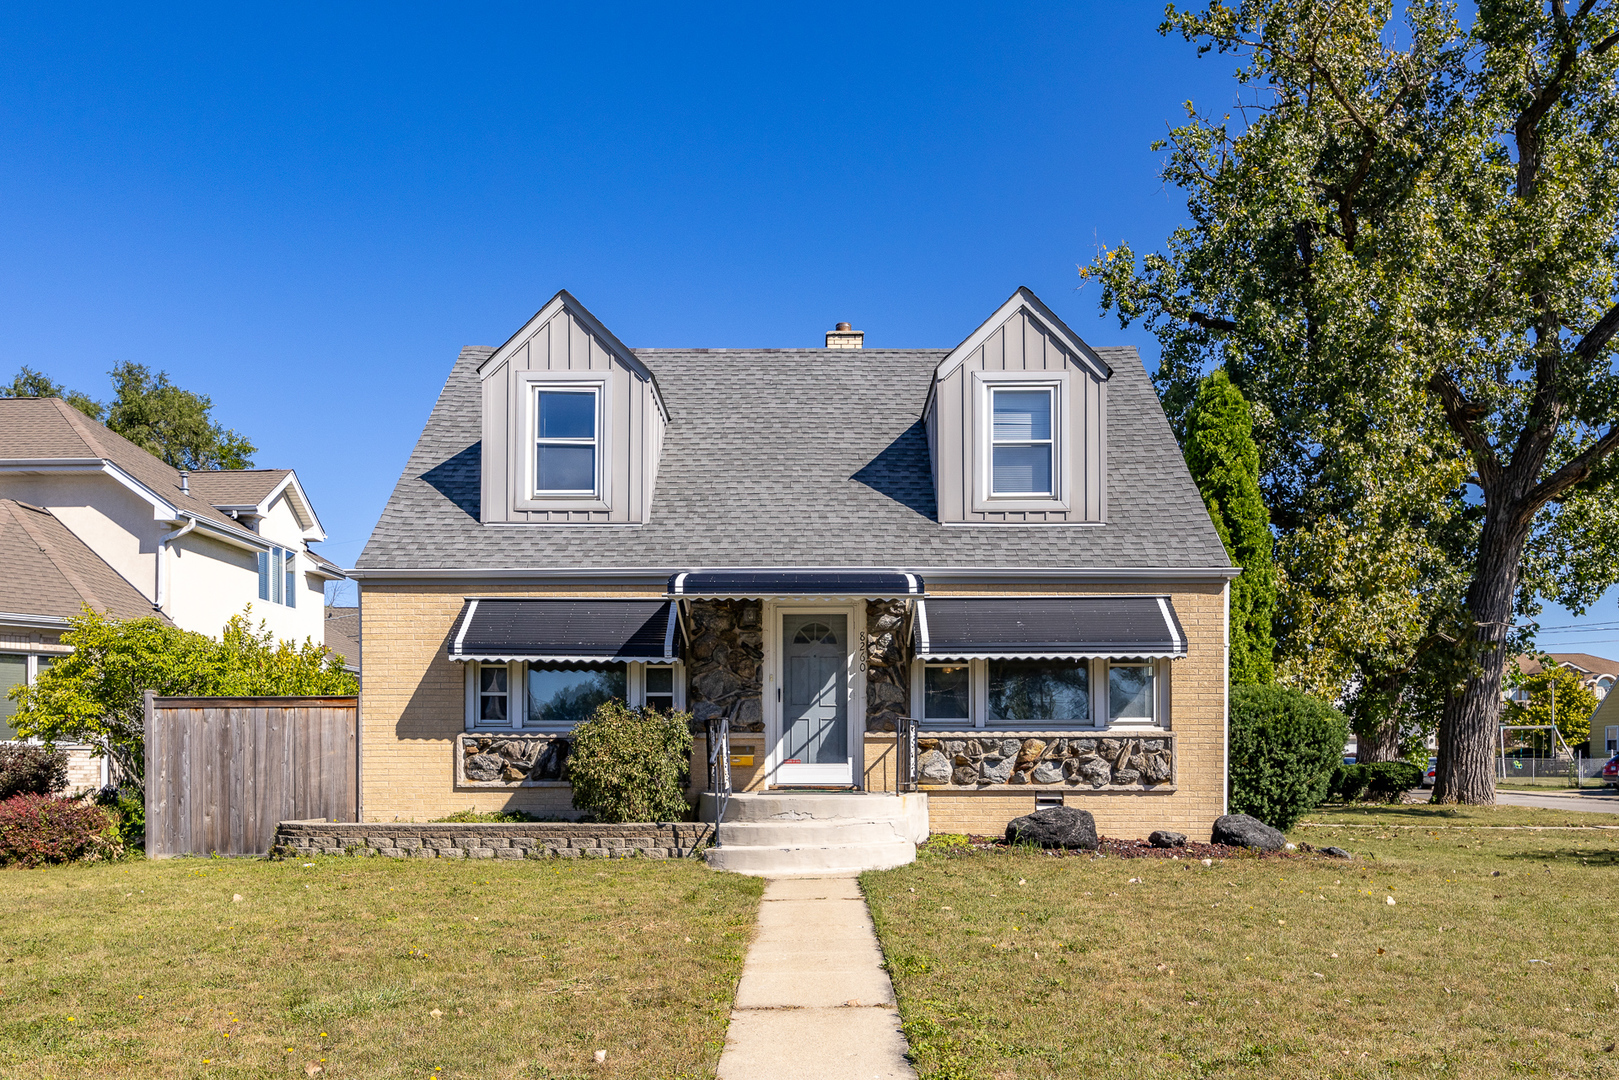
x: 565, y: 455
x: 946, y: 692
x: 660, y: 689
x: 561, y: 695
x: 1026, y: 691
x: 494, y: 697
x: 13, y: 672
x: 278, y: 576
x: 1020, y: 441
x: 1130, y: 691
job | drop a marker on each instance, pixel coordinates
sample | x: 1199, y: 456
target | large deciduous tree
x: 1224, y: 461
x: 1404, y: 251
x: 151, y: 412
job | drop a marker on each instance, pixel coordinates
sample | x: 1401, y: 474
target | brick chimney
x: 845, y: 338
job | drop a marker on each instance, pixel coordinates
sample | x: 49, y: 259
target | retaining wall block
x: 509, y: 853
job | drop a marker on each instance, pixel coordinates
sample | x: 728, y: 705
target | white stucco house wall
x: 92, y: 519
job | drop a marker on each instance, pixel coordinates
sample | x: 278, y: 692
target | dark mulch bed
x: 1140, y: 849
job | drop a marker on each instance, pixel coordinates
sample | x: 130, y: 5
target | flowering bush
x: 40, y: 829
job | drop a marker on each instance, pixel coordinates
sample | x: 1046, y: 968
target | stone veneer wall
x: 888, y: 665
x: 976, y: 761
x: 451, y: 840
x: 723, y: 664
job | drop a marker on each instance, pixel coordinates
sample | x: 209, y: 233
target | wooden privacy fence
x: 222, y: 772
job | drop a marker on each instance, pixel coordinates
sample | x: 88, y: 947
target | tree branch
x: 1464, y: 416
x: 1211, y: 322
x: 1576, y: 471
x: 1597, y: 338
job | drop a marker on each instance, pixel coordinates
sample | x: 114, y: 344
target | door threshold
x: 789, y: 788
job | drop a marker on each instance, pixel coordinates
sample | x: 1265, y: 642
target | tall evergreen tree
x: 1224, y: 460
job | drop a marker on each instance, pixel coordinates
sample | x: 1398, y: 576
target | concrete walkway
x: 814, y: 1002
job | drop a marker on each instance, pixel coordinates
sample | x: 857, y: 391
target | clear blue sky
x: 305, y: 211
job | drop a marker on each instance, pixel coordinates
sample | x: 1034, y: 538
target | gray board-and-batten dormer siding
x: 796, y: 458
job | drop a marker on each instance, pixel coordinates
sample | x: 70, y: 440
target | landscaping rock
x: 1165, y: 838
x: 1336, y: 852
x: 1055, y: 827
x: 1240, y: 830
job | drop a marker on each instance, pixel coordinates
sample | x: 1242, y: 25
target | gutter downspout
x: 163, y: 558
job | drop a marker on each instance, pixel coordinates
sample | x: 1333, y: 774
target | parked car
x: 1432, y: 773
x: 1610, y: 772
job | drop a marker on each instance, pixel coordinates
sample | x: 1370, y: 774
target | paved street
x: 1602, y: 801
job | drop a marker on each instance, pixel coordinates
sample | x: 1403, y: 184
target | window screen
x: 565, y: 438
x: 1020, y: 450
x: 13, y: 672
x: 945, y: 692
x: 660, y: 688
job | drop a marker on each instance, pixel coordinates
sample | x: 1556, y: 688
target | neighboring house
x: 343, y: 635
x: 109, y: 525
x: 1597, y: 674
x: 813, y: 547
x: 1605, y: 729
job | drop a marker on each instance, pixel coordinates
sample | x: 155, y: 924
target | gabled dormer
x: 572, y: 424
x: 1017, y: 423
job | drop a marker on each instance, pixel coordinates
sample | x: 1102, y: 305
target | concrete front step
x: 797, y: 833
x: 814, y: 831
x: 815, y: 860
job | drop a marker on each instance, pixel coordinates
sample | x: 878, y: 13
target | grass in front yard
x: 369, y: 968
x: 1019, y: 964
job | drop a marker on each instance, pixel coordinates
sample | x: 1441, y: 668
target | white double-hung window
x: 567, y: 441
x: 1021, y: 441
x: 278, y: 576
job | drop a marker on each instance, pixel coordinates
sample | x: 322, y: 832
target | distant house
x: 997, y: 547
x: 1597, y: 674
x: 89, y: 518
x: 343, y: 635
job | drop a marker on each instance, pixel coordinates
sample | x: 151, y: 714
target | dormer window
x: 1021, y: 443
x: 567, y: 457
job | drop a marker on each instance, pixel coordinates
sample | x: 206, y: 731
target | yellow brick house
x: 972, y: 581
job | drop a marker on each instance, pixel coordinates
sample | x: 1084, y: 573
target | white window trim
x: 527, y: 496
x: 1100, y: 721
x: 984, y: 383
x: 1049, y: 442
x: 517, y: 694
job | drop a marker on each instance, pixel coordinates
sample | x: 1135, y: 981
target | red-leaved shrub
x: 39, y: 829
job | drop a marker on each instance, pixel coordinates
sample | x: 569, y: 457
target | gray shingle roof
x: 796, y: 458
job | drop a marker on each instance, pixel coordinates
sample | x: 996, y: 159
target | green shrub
x: 1386, y: 781
x: 631, y: 764
x: 487, y: 817
x: 1375, y: 781
x: 1284, y: 747
x: 128, y: 810
x: 31, y: 770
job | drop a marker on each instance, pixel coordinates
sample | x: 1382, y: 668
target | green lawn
x: 1019, y: 964
x: 369, y: 968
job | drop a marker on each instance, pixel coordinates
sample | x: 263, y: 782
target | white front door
x: 814, y: 746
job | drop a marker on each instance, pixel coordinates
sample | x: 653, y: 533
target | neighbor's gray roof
x: 796, y: 458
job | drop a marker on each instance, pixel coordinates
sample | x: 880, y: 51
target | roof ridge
x: 70, y: 575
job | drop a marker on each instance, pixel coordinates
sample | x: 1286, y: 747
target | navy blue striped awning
x: 504, y: 628
x: 1039, y: 627
x: 753, y: 584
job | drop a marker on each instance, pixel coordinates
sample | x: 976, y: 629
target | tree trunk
x: 1467, y: 732
x: 1377, y: 733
